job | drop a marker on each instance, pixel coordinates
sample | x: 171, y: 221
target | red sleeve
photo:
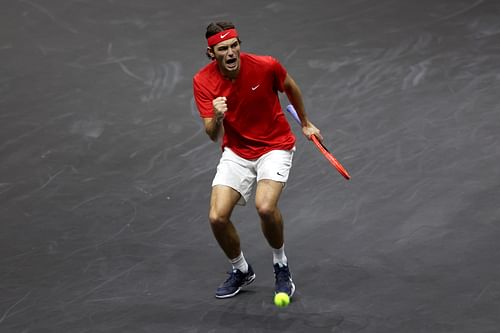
x: 280, y: 74
x: 202, y: 99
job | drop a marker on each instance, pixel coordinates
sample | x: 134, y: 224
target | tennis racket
x: 329, y: 156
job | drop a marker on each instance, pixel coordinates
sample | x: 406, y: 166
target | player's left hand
x: 310, y: 130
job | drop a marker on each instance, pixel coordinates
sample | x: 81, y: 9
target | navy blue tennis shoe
x: 234, y: 282
x: 284, y: 283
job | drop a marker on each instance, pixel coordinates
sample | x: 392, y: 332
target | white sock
x: 279, y: 256
x: 240, y: 263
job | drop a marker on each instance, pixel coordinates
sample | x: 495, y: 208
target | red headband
x: 222, y: 36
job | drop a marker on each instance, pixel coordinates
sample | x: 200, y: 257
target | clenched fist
x: 220, y: 107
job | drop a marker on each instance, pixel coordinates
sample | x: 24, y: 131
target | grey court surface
x: 105, y: 168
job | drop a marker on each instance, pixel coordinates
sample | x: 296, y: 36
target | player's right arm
x: 213, y: 125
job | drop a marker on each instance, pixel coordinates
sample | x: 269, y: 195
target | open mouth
x: 231, y: 63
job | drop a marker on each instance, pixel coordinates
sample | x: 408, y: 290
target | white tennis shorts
x: 242, y: 174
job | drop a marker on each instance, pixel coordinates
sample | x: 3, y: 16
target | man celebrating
x: 237, y: 98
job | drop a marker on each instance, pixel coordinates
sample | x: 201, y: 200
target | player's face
x: 227, y: 55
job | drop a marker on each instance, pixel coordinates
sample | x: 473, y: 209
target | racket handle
x: 291, y: 110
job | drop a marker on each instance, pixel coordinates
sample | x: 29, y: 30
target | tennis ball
x: 281, y: 300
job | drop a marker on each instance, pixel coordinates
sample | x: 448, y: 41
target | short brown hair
x: 216, y: 27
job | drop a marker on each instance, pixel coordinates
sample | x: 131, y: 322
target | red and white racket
x: 329, y: 156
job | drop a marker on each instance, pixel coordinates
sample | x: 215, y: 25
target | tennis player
x: 237, y: 98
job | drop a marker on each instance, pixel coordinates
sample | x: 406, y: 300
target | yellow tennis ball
x: 281, y: 300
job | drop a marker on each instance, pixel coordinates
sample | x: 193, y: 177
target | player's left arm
x: 294, y: 95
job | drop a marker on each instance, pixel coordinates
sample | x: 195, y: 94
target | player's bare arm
x: 294, y: 95
x: 213, y: 126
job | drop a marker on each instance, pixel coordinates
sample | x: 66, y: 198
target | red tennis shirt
x: 254, y: 123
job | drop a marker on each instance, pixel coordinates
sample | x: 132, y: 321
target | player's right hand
x: 220, y: 107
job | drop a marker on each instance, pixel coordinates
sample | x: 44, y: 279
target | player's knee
x: 266, y: 211
x: 217, y: 218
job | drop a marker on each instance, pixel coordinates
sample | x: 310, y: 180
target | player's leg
x: 266, y: 201
x: 222, y: 202
x: 232, y: 185
x: 272, y: 174
x: 273, y: 169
